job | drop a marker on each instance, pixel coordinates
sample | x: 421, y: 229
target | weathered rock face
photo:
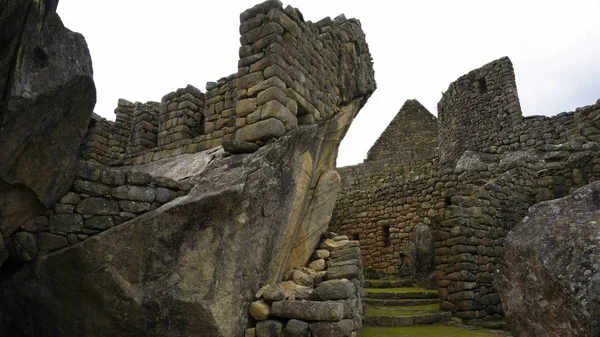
x: 549, y: 280
x: 192, y: 266
x: 46, y: 99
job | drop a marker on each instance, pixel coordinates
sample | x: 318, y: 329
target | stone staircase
x: 398, y: 303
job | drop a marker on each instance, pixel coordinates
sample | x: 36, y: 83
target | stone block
x: 135, y: 193
x: 274, y: 109
x: 317, y: 265
x: 23, y: 246
x: 70, y: 198
x: 334, y: 290
x: 347, y: 272
x: 47, y: 241
x: 102, y: 222
x: 309, y: 310
x: 164, y: 195
x: 97, y: 206
x: 296, y: 328
x: 134, y: 206
x: 269, y: 328
x: 262, y: 130
x: 112, y: 177
x: 66, y: 223
x: 260, y: 310
x: 91, y: 188
x: 342, y: 328
x: 274, y: 293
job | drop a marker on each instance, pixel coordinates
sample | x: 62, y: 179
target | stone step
x: 406, y: 320
x: 388, y: 283
x: 400, y: 293
x: 400, y: 302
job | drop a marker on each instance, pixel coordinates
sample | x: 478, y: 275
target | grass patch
x: 434, y: 330
x: 400, y: 290
x: 402, y: 310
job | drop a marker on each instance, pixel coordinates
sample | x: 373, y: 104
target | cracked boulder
x: 47, y: 95
x: 549, y: 278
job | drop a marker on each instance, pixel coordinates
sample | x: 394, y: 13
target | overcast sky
x: 141, y: 50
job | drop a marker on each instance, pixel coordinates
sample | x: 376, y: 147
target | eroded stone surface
x: 549, y: 279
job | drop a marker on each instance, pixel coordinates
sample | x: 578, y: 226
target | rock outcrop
x: 549, y: 278
x: 173, y: 241
x: 46, y: 99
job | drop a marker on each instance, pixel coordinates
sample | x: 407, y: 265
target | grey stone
x: 66, y: 223
x: 296, y: 328
x: 342, y: 328
x: 164, y: 195
x: 92, y: 188
x: 302, y: 278
x: 262, y: 130
x: 63, y: 208
x: 97, y: 206
x: 334, y: 290
x: 138, y: 178
x: 296, y: 291
x: 308, y: 310
x: 70, y: 198
x: 347, y: 272
x: 556, y: 245
x: 88, y: 170
x: 23, y: 246
x: 47, y: 241
x: 274, y: 293
x: 135, y: 193
x: 112, y: 177
x: 134, y: 206
x: 101, y: 222
x: 237, y: 147
x: 269, y: 328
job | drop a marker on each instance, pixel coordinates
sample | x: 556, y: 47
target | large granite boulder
x: 549, y: 280
x: 192, y: 266
x: 47, y: 95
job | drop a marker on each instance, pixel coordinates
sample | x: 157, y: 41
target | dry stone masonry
x: 323, y: 299
x: 440, y: 219
x: 290, y: 72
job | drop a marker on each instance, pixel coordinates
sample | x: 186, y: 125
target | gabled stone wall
x: 492, y: 165
x: 412, y: 133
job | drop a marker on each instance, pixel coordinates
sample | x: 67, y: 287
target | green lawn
x: 434, y: 330
x: 402, y: 310
x: 400, y: 290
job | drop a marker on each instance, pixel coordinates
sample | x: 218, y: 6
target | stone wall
x: 412, y: 133
x: 100, y: 198
x: 323, y: 299
x: 379, y: 204
x: 290, y: 72
x: 478, y: 109
x: 492, y: 165
x: 481, y: 112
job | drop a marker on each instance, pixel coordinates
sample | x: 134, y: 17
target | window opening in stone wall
x: 355, y: 236
x: 386, y: 235
x: 482, y: 85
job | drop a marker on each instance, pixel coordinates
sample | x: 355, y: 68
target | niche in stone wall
x: 386, y: 235
x: 355, y: 237
x: 482, y: 85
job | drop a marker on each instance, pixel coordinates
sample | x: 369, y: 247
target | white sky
x: 141, y: 50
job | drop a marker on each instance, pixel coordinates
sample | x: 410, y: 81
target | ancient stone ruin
x: 440, y: 218
x: 169, y: 220
x: 217, y: 212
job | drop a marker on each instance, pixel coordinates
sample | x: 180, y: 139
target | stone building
x: 441, y: 218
